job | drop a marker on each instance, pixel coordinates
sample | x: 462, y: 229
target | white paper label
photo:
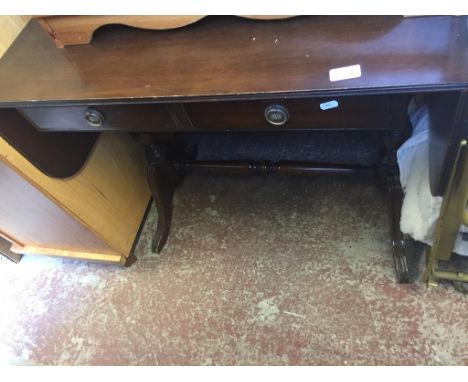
x: 345, y: 73
x: 329, y: 105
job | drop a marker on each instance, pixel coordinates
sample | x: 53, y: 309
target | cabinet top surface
x: 224, y: 56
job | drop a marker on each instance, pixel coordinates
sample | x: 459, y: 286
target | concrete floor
x: 276, y: 271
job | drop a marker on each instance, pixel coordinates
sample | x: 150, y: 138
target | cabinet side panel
x: 10, y: 28
x: 109, y: 195
x: 30, y: 218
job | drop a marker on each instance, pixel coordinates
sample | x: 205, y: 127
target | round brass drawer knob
x: 276, y: 115
x: 94, y: 118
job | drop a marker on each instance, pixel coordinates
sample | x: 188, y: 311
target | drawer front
x: 101, y: 118
x: 313, y: 113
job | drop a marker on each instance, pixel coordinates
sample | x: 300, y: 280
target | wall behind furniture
x: 10, y: 28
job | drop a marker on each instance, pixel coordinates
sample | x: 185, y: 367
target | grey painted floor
x: 256, y: 271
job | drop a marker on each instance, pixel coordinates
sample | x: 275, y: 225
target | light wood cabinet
x: 10, y: 27
x: 93, y: 215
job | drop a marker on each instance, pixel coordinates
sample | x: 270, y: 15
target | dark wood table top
x: 224, y: 56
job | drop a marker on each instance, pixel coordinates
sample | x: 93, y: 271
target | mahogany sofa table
x: 232, y: 74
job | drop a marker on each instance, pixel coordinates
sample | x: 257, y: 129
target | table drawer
x: 149, y: 117
x: 311, y: 113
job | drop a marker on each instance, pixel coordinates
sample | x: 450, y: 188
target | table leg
x: 162, y: 179
x: 404, y: 247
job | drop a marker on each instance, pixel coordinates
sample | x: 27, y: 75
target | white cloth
x: 420, y: 209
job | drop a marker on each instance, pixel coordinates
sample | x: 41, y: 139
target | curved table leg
x: 404, y: 248
x: 162, y: 179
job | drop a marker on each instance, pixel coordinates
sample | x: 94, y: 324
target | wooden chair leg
x: 162, y: 179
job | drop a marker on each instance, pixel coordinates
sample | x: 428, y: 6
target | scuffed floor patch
x: 276, y: 271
